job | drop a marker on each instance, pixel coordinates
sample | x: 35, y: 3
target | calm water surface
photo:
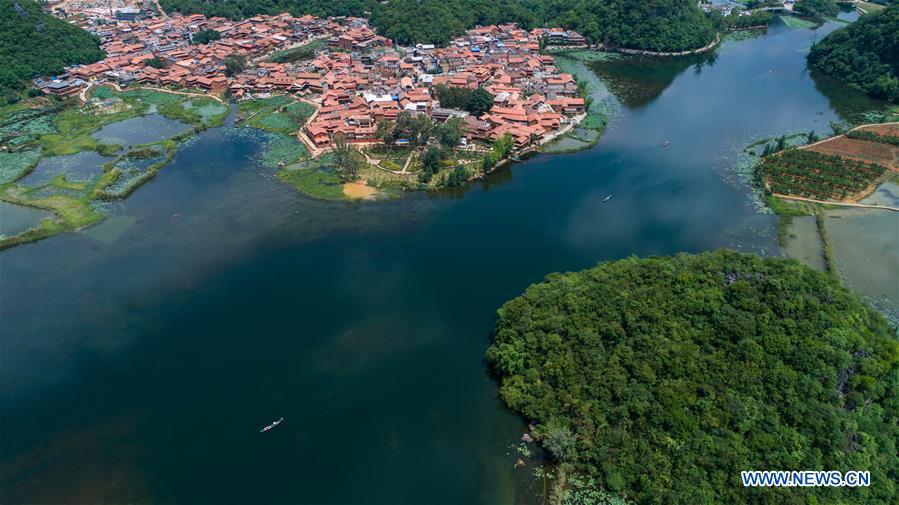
x: 18, y: 218
x: 79, y: 167
x: 139, y: 364
x: 140, y: 130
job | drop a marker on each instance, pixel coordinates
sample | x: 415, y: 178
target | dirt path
x: 375, y: 163
x: 159, y: 9
x: 842, y: 204
x: 184, y: 93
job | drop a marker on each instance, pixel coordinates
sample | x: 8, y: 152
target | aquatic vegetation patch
x: 277, y: 114
x: 148, y: 96
x: 79, y: 167
x: 208, y: 110
x: 596, y: 95
x: 797, y: 22
x: 566, y: 144
x: 74, y: 187
x: 282, y: 150
x: 16, y: 164
x: 102, y: 92
x: 319, y: 182
x: 26, y: 126
x: 274, y: 122
x: 54, y: 190
x: 247, y: 107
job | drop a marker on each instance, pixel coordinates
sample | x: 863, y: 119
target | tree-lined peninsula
x: 658, y: 25
x: 865, y: 54
x: 666, y: 377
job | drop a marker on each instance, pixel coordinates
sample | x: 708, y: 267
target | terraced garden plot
x: 812, y: 174
x: 861, y: 150
x: 889, y: 130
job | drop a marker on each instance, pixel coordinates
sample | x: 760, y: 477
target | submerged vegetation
x: 51, y: 130
x: 666, y: 377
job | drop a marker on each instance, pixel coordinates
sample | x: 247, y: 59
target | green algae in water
x: 804, y: 242
x: 866, y: 251
x: 207, y: 109
x: 565, y: 144
x: 281, y: 149
x: 797, y: 22
x: 111, y: 229
x: 14, y: 165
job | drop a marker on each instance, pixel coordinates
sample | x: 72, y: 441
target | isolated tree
x: 234, y: 64
x: 450, y: 132
x: 386, y: 132
x: 415, y: 127
x: 479, y: 102
x: 344, y: 159
x: 155, y: 62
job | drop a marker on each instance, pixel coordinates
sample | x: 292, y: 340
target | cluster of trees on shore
x: 665, y: 377
x: 34, y: 43
x: 659, y: 25
x: 735, y: 21
x: 816, y: 8
x: 865, y: 54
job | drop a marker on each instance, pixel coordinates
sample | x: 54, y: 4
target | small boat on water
x: 606, y: 199
x: 276, y: 423
x: 666, y: 144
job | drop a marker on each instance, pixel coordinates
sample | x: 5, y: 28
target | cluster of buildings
x: 532, y: 98
x: 726, y: 7
x: 177, y: 61
x: 355, y: 77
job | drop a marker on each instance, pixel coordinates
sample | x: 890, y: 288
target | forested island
x: 865, y: 54
x: 34, y: 43
x: 657, y: 25
x: 665, y: 377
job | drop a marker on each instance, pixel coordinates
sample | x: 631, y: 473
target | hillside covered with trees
x: 662, y: 25
x: 34, y: 43
x: 665, y: 377
x: 865, y: 54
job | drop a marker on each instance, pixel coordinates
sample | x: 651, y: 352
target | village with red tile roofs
x: 352, y: 77
x: 348, y: 114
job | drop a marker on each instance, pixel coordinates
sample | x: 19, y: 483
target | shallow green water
x: 18, y: 218
x: 140, y: 130
x: 140, y: 365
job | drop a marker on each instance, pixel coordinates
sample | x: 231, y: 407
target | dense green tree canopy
x: 664, y: 25
x: 865, y: 54
x: 34, y: 43
x: 665, y: 377
x: 206, y: 36
x: 816, y: 8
